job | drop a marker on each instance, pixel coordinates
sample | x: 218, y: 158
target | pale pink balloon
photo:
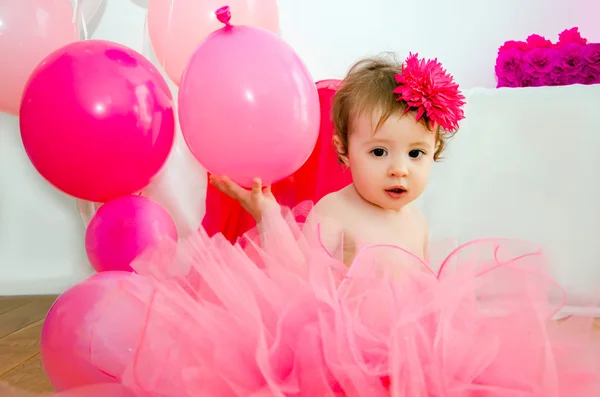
x: 29, y: 31
x: 248, y: 105
x: 123, y: 228
x: 176, y: 27
x: 89, y: 333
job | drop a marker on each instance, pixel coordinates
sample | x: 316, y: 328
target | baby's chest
x: 403, y: 235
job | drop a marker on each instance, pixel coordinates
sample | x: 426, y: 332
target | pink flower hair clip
x: 426, y: 87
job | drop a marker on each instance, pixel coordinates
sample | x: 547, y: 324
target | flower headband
x: 426, y: 87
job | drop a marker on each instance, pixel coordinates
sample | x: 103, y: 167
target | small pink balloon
x: 97, y: 120
x: 29, y: 31
x: 248, y: 106
x: 124, y: 228
x: 79, y: 344
x: 176, y: 27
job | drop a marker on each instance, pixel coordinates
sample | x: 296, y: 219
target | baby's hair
x: 369, y: 87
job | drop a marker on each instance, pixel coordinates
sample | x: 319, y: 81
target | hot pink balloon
x: 97, y: 120
x: 124, y: 228
x: 80, y: 344
x: 248, y: 106
x: 29, y: 31
x: 176, y: 27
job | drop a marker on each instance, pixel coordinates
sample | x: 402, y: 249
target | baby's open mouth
x: 396, y: 190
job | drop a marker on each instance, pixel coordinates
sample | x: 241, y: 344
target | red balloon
x: 97, y: 120
x: 320, y: 175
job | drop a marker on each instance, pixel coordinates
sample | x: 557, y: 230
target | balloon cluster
x: 98, y: 122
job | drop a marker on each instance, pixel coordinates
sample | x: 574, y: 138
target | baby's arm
x: 262, y: 205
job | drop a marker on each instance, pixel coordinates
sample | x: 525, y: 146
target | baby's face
x: 390, y: 167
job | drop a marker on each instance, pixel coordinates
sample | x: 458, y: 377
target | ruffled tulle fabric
x: 277, y: 315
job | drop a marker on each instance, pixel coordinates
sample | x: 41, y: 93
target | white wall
x: 331, y: 34
x: 41, y: 234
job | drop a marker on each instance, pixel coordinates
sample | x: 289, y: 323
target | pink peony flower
x: 426, y: 87
x: 571, y: 59
x: 559, y: 77
x: 513, y: 82
x: 550, y: 80
x: 527, y: 80
x: 588, y: 75
x: 511, y: 44
x: 537, y: 41
x: 540, y: 61
x: 508, y: 65
x: 591, y: 55
x: 570, y: 36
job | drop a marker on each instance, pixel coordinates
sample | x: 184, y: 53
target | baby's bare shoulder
x: 330, y: 204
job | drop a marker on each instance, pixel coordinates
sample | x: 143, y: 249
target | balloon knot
x: 224, y: 15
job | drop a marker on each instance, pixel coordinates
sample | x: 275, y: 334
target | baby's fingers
x: 256, y: 188
x: 228, y: 187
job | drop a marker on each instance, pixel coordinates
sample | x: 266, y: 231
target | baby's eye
x: 416, y: 153
x: 379, y: 152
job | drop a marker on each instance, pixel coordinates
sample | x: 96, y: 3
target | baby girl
x: 391, y: 122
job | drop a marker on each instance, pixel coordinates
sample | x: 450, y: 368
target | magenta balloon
x: 248, y: 106
x: 77, y: 327
x: 124, y: 228
x: 97, y: 120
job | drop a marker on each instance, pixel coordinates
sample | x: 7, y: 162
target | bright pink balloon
x: 248, y: 106
x: 29, y: 31
x: 176, y: 27
x: 97, y: 120
x: 79, y: 344
x: 123, y: 228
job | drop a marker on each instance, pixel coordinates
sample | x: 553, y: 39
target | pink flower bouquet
x: 539, y: 62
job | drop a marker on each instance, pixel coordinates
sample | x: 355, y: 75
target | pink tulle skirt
x: 281, y: 316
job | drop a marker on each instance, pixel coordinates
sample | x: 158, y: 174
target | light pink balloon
x: 248, y: 106
x: 176, y: 27
x: 29, y: 31
x: 88, y: 337
x: 123, y: 228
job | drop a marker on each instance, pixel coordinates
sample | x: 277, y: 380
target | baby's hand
x: 254, y: 201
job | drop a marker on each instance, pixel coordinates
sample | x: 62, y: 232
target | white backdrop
x: 41, y: 234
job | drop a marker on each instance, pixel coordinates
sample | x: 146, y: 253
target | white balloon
x: 87, y: 210
x: 180, y: 187
x: 88, y: 8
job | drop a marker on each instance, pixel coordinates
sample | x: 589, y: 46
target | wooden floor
x: 21, y: 321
